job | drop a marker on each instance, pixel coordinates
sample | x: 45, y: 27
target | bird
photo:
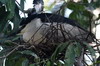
x: 36, y: 25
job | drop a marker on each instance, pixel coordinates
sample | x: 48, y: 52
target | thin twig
x: 12, y: 51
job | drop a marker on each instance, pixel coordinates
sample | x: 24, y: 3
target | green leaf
x: 9, y: 43
x: 77, y: 49
x: 59, y: 49
x: 3, y: 17
x: 60, y: 63
x: 7, y: 28
x: 91, y: 50
x: 22, y: 62
x: 96, y: 4
x: 25, y: 62
x: 11, y: 7
x: 82, y: 17
x: 4, y: 1
x: 14, y: 58
x: 85, y: 1
x: 97, y: 62
x: 31, y: 65
x: 15, y: 38
x: 48, y: 63
x: 10, y: 62
x: 16, y: 19
x: 3, y: 21
x: 12, y: 14
x: 28, y: 52
x: 75, y: 6
x: 70, y: 55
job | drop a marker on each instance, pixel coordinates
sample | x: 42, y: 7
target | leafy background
x: 13, y: 55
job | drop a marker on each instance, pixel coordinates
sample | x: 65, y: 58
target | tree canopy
x: 16, y: 53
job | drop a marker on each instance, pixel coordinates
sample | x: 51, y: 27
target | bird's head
x: 38, y: 5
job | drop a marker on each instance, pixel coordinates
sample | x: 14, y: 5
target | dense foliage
x: 16, y: 54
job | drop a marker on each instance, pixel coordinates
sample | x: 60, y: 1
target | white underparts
x: 30, y: 31
x: 35, y: 30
